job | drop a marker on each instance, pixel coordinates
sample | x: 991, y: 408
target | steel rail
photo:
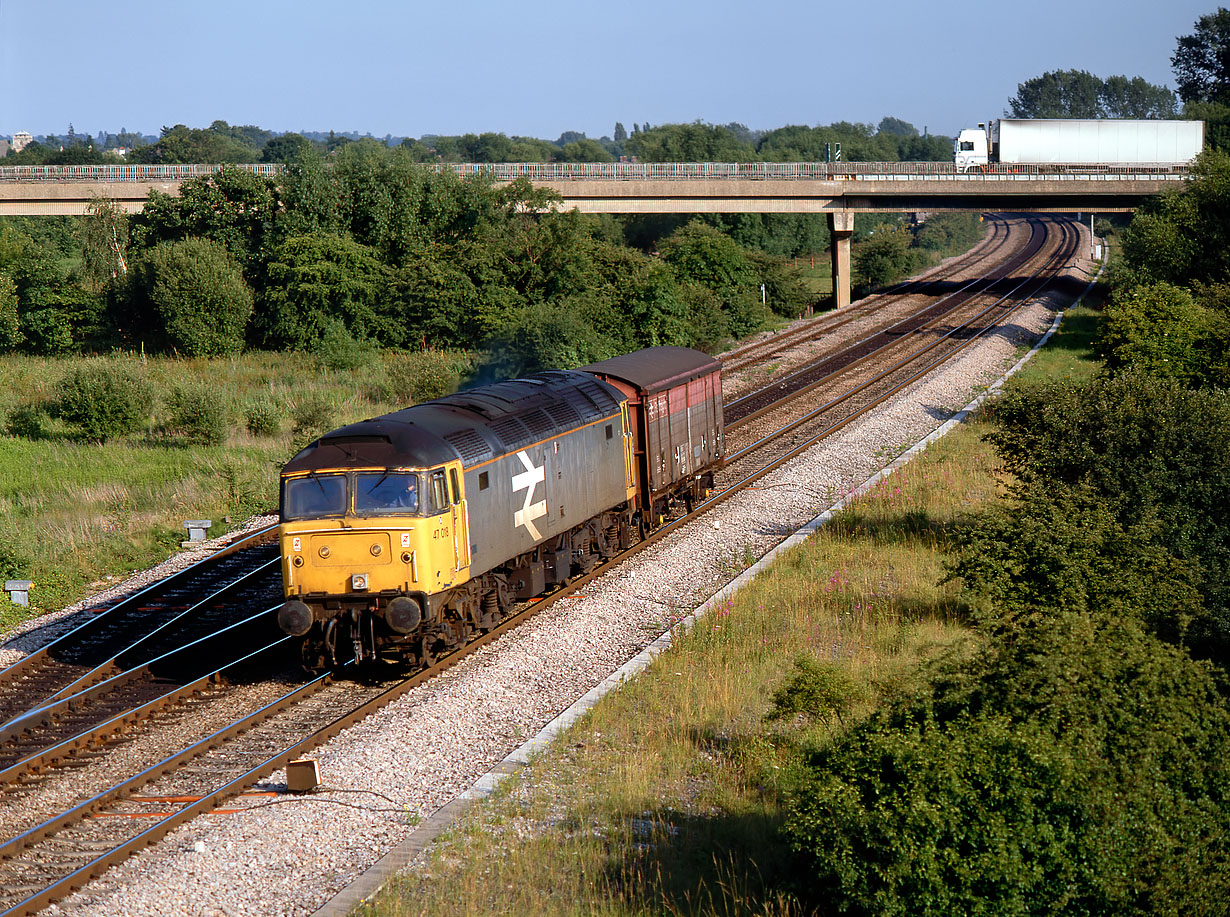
x: 128, y: 679
x: 904, y: 362
x: 929, y: 316
x: 25, y: 666
x: 753, y: 353
x: 88, y: 807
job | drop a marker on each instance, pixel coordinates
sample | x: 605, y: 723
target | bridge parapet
x: 647, y: 171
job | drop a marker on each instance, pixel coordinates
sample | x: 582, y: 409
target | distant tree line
x: 893, y: 140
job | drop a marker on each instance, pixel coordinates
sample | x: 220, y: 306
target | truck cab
x: 971, y: 148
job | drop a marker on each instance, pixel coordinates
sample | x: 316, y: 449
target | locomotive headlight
x: 358, y: 582
x: 376, y: 550
x: 324, y: 550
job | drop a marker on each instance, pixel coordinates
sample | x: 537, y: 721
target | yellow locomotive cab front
x: 367, y: 548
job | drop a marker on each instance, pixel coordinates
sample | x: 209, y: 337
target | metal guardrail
x: 650, y: 171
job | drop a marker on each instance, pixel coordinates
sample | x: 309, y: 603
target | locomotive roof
x: 657, y: 368
x: 475, y: 425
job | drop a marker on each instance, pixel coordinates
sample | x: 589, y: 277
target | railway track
x: 961, y: 271
x: 249, y: 747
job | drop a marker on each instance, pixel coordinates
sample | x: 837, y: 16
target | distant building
x: 4, y: 148
x: 21, y: 140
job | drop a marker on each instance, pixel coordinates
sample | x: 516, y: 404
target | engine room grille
x: 472, y: 447
x: 564, y: 414
x: 539, y: 424
x: 511, y: 432
x: 602, y: 400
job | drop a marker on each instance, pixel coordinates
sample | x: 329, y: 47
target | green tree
x: 896, y: 127
x: 701, y: 253
x: 104, y: 243
x: 1058, y: 94
x: 233, y: 207
x: 1135, y: 98
x: 884, y: 258
x: 1201, y: 60
x: 1183, y: 236
x: 320, y: 282
x: 925, y: 148
x: 583, y: 150
x: 199, y: 293
x: 185, y: 145
x: 10, y: 321
x: 695, y: 142
x: 1152, y: 451
x: 285, y: 148
x: 54, y: 313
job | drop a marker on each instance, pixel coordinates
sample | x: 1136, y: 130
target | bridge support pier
x: 841, y: 229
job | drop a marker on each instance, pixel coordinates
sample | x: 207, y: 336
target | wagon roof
x: 657, y: 368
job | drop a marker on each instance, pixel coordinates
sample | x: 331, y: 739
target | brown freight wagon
x: 675, y: 411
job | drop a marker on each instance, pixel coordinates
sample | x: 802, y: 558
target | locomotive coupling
x: 403, y: 614
x: 295, y: 618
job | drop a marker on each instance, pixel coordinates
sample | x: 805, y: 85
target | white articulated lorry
x: 1063, y: 141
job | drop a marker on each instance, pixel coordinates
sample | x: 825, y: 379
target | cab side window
x: 438, y: 492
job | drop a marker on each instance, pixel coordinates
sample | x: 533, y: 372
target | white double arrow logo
x: 528, y: 480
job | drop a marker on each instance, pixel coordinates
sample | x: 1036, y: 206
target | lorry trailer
x: 1059, y: 141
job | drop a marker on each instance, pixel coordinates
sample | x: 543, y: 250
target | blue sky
x: 540, y: 68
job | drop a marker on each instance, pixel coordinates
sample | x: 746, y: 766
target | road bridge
x: 839, y: 190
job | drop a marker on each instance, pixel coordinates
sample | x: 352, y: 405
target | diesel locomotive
x: 404, y: 536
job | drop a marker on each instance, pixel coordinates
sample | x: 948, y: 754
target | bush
x: 10, y: 323
x: 1081, y: 768
x: 338, y: 349
x: 28, y: 421
x: 415, y: 377
x: 199, y: 291
x: 14, y: 564
x: 104, y: 400
x: 1161, y: 329
x: 1152, y: 452
x: 816, y: 692
x: 263, y: 418
x: 312, y: 417
x: 884, y: 258
x: 544, y: 337
x: 195, y: 413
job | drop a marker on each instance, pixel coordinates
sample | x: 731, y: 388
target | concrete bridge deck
x: 682, y: 187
